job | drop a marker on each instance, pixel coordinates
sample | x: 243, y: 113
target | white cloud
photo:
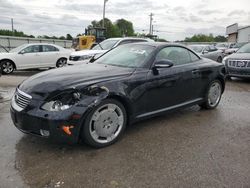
x: 174, y: 20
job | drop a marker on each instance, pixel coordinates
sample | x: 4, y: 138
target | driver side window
x: 178, y: 55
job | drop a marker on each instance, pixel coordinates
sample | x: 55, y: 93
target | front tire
x: 213, y: 95
x: 7, y: 67
x: 104, y: 124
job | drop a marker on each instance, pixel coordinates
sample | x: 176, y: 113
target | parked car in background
x: 234, y: 48
x: 224, y: 46
x: 238, y: 64
x: 94, y: 102
x: 30, y: 56
x: 84, y: 56
x: 208, y: 51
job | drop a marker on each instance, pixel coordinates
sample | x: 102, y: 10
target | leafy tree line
x: 205, y: 38
x: 16, y: 33
x: 119, y: 28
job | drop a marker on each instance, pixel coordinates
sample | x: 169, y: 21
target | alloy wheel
x: 7, y: 67
x: 214, y: 94
x: 106, y: 123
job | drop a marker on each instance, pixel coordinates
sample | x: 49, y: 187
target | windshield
x: 127, y: 56
x: 197, y: 49
x: 238, y: 45
x: 17, y: 49
x: 244, y: 49
x: 105, y: 45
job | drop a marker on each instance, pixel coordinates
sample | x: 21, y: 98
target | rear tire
x: 213, y: 95
x: 105, y: 124
x: 61, y: 62
x: 7, y: 67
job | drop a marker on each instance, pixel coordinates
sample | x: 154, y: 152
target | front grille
x: 74, y: 58
x: 241, y: 64
x: 22, y: 99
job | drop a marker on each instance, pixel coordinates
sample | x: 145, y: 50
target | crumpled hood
x: 47, y: 82
x: 239, y: 56
x: 87, y: 52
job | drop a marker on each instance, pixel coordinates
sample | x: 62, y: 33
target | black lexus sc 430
x: 94, y: 102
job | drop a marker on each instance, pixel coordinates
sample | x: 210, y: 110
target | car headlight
x: 224, y: 61
x: 62, y: 102
x: 85, y: 57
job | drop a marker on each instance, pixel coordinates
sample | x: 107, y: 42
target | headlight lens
x: 85, y: 57
x: 62, y: 102
x: 224, y: 61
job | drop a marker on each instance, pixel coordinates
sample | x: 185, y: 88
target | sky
x: 172, y: 20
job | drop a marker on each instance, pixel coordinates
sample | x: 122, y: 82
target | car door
x: 49, y: 56
x: 29, y: 57
x: 176, y: 85
x: 214, y: 53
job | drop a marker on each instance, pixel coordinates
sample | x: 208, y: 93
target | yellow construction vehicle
x: 93, y: 35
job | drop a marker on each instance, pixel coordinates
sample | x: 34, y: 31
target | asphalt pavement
x: 187, y: 148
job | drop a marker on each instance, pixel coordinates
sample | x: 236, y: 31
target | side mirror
x: 22, y: 52
x: 205, y: 52
x: 163, y: 64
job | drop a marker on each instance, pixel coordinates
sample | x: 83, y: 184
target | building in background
x: 238, y: 34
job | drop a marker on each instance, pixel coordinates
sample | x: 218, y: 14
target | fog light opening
x: 44, y: 132
x: 66, y: 129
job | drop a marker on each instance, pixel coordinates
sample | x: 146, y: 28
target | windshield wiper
x: 100, y: 45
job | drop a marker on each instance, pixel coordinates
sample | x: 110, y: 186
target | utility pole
x: 104, y: 9
x: 150, y: 23
x: 12, y: 26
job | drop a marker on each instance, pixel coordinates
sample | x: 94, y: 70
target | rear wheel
x: 61, y: 62
x: 105, y: 124
x: 213, y: 95
x: 7, y: 67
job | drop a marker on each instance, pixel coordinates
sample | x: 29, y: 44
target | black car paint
x: 143, y: 92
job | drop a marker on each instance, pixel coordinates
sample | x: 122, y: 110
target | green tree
x: 205, y: 38
x: 69, y: 37
x: 220, y: 38
x: 125, y: 27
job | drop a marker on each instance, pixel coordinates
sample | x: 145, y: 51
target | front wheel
x: 213, y: 95
x: 7, y: 67
x: 105, y: 124
x: 61, y: 62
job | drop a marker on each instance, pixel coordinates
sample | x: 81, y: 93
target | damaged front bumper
x: 63, y: 127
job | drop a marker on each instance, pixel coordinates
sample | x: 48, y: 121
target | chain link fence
x: 7, y: 42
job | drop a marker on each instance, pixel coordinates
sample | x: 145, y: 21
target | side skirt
x: 153, y: 113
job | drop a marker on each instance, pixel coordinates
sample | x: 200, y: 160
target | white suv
x: 83, y: 56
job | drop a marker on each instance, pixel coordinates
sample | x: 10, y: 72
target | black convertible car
x: 94, y: 102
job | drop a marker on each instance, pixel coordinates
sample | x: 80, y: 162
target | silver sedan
x: 208, y: 51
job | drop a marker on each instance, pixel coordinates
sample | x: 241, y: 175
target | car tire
x: 213, y: 95
x: 7, y: 67
x: 219, y: 59
x: 61, y: 62
x: 105, y: 124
